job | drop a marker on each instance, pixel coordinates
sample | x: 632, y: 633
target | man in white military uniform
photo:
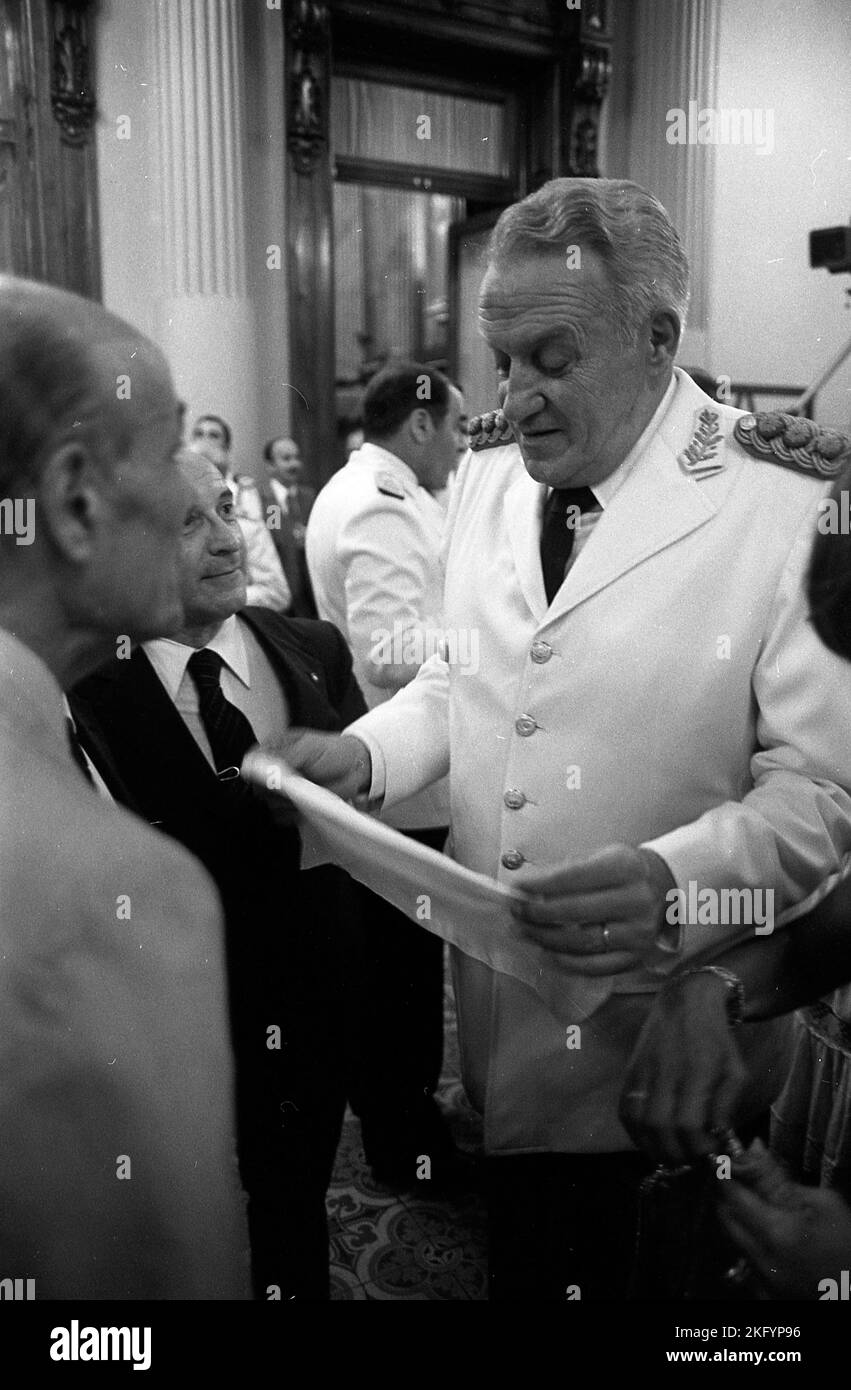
x: 653, y: 709
x: 374, y: 538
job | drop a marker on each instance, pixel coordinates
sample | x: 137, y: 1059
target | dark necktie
x: 558, y: 532
x: 228, y: 731
x: 77, y: 751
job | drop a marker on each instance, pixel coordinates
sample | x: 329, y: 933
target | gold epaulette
x: 489, y: 430
x: 794, y: 442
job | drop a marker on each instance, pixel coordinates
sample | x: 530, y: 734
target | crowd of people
x: 650, y: 751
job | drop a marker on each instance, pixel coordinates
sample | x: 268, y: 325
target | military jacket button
x: 525, y: 725
x: 514, y: 799
x: 541, y: 652
x: 512, y: 859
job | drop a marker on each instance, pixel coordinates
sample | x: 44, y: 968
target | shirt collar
x: 605, y: 490
x: 374, y: 456
x: 170, y: 659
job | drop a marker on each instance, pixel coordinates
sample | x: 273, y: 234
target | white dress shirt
x: 247, y: 680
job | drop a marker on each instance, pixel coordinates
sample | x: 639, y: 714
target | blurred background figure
x: 373, y: 549
x: 267, y: 583
x: 353, y: 440
x: 443, y: 495
x: 287, y: 524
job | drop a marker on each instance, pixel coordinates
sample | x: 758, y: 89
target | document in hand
x: 467, y: 909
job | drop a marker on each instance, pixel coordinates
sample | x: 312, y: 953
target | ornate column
x: 207, y: 329
x: 588, y: 72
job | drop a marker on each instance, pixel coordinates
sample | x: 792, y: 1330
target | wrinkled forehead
x: 203, y: 477
x: 540, y: 290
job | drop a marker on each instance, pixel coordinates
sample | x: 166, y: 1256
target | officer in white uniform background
x: 653, y: 712
x: 373, y: 551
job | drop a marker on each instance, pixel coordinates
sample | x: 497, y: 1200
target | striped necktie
x: 228, y: 731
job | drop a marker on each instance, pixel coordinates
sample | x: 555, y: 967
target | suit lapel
x: 158, y: 724
x: 302, y: 679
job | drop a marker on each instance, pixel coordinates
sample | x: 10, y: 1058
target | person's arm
x: 792, y: 967
x: 399, y: 747
x: 384, y: 552
x: 686, y: 1074
x: 389, y: 754
x: 791, y: 830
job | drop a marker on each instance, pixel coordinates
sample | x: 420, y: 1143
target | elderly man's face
x: 133, y: 581
x: 212, y: 551
x: 577, y: 398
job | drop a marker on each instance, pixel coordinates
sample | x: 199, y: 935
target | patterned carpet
x: 387, y: 1245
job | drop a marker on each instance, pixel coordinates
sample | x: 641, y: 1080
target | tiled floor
x: 387, y: 1245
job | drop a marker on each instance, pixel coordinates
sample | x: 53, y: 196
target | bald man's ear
x: 70, y: 501
x: 665, y: 332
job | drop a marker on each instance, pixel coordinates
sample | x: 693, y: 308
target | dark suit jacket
x: 289, y: 942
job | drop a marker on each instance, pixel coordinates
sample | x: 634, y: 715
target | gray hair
x: 624, y: 224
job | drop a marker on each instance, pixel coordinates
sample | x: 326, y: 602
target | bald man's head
x: 68, y: 369
x: 89, y: 424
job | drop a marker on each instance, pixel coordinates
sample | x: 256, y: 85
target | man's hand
x: 794, y: 1237
x: 340, y: 762
x: 685, y: 1074
x: 621, y: 889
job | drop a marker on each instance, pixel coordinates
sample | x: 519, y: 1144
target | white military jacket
x: 373, y: 547
x: 673, y: 695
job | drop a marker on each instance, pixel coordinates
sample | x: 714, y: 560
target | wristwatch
x: 735, y: 1000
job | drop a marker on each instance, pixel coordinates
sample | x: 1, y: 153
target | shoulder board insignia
x: 489, y: 431
x: 794, y: 442
x: 699, y: 459
x: 389, y: 484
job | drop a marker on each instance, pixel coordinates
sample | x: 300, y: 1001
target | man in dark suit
x: 176, y: 719
x: 287, y: 504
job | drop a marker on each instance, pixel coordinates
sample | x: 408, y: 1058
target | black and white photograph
x: 425, y: 674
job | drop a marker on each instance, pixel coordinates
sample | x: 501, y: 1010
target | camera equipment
x: 830, y: 247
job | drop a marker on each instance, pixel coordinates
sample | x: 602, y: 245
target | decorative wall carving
x: 71, y: 94
x: 308, y: 33
x: 593, y: 72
